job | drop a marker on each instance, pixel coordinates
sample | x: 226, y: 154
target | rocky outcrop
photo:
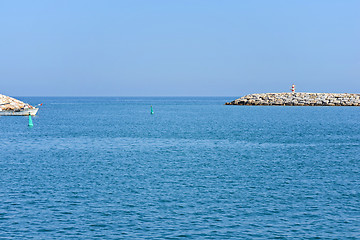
x: 12, y: 104
x: 299, y: 99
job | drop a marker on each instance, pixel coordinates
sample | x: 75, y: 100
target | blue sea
x: 105, y: 168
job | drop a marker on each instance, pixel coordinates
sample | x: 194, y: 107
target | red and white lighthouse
x: 293, y: 88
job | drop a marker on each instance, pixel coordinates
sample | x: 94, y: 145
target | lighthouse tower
x: 293, y: 88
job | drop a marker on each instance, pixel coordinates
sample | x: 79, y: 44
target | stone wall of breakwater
x: 299, y: 99
x: 11, y: 104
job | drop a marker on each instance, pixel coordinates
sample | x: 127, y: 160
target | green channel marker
x: 30, y: 121
x: 152, y: 111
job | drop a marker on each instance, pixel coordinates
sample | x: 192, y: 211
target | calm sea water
x: 196, y: 169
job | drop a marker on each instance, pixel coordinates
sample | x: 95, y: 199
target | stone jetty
x: 12, y: 104
x: 299, y: 99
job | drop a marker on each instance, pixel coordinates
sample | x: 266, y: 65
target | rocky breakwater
x: 299, y: 99
x: 12, y: 104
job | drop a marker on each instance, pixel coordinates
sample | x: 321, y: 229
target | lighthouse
x: 293, y: 88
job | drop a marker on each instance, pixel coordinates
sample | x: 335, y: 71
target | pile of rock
x: 299, y: 99
x: 12, y: 104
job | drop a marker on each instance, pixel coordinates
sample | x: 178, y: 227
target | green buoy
x: 152, y: 111
x: 30, y: 121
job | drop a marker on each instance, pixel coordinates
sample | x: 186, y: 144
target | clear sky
x: 178, y: 47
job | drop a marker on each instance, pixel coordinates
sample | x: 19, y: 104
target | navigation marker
x: 152, y: 111
x: 30, y: 121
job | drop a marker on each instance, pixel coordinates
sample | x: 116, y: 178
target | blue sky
x: 178, y: 47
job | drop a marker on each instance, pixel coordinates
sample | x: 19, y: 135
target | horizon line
x: 115, y: 96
